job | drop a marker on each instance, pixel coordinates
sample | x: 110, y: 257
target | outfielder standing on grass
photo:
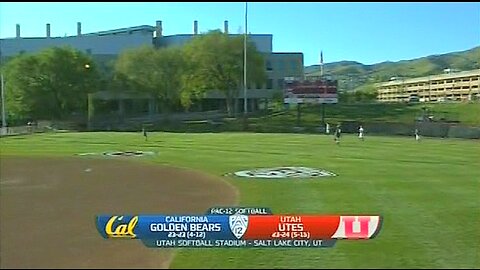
x: 144, y: 130
x: 338, y: 134
x: 360, y: 133
x: 417, y: 135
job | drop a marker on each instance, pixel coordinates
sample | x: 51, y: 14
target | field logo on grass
x: 120, y: 153
x: 284, y: 172
x: 127, y: 153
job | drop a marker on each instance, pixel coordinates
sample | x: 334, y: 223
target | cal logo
x: 117, y: 227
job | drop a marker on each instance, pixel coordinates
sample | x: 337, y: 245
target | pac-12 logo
x: 358, y: 227
x: 116, y: 227
x: 238, y: 225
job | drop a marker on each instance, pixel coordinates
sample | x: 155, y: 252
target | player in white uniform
x: 360, y: 133
x: 417, y: 135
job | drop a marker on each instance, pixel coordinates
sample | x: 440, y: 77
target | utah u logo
x: 363, y: 233
x: 357, y: 227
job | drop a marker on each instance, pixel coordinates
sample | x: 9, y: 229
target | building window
x: 269, y: 84
x: 258, y: 86
x: 269, y: 65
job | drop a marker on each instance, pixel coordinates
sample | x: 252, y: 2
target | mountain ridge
x: 352, y: 75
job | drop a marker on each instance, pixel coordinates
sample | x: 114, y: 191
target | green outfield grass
x: 427, y: 192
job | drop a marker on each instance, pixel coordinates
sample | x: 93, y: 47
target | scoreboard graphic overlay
x: 239, y: 227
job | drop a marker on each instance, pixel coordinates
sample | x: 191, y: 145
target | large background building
x: 107, y: 45
x: 455, y: 86
x: 278, y: 64
x: 111, y: 42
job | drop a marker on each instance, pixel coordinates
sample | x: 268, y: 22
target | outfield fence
x: 39, y: 127
x: 219, y: 124
x: 428, y: 129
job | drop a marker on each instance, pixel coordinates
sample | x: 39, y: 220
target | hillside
x: 352, y: 75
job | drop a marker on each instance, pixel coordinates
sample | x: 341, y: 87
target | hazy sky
x: 364, y: 32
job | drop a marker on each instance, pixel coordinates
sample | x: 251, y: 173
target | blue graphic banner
x: 165, y: 227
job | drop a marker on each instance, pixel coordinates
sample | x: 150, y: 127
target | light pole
x: 90, y: 108
x: 245, y: 65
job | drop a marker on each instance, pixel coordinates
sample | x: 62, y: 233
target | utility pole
x: 245, y: 71
x: 321, y: 64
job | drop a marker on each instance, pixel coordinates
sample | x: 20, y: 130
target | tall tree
x: 51, y: 84
x: 366, y: 93
x: 216, y: 63
x: 156, y: 72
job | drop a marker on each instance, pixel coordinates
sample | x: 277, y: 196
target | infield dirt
x: 48, y: 208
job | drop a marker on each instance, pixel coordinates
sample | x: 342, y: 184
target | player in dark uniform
x: 145, y: 134
x: 337, y: 134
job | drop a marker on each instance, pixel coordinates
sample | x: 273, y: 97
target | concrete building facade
x: 109, y: 44
x: 113, y: 42
x: 456, y: 86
